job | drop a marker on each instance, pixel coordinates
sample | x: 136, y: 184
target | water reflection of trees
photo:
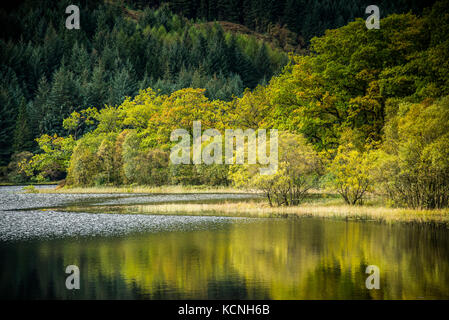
x: 277, y: 259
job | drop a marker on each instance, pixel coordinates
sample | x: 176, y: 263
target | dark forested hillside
x: 308, y: 18
x: 48, y: 71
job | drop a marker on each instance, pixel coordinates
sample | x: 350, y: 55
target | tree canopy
x: 360, y: 104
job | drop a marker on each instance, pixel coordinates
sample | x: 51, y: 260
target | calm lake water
x: 181, y: 257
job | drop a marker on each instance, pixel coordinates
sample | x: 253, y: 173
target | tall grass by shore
x: 317, y: 204
x: 9, y: 184
x: 145, y: 189
x: 257, y: 209
x: 261, y: 209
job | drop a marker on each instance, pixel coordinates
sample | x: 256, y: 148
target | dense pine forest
x: 48, y: 71
x: 306, y: 18
x: 359, y: 111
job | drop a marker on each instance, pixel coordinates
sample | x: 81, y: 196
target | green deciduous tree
x: 414, y: 161
x: 351, y: 173
x: 52, y: 163
x: 300, y: 169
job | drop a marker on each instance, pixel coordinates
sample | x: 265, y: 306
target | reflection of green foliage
x: 282, y: 259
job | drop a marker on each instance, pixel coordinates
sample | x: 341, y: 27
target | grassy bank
x: 310, y: 209
x: 321, y: 206
x: 8, y: 184
x: 317, y: 204
x: 144, y: 189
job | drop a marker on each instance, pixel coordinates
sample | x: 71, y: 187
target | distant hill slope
x: 307, y: 18
x: 277, y: 36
